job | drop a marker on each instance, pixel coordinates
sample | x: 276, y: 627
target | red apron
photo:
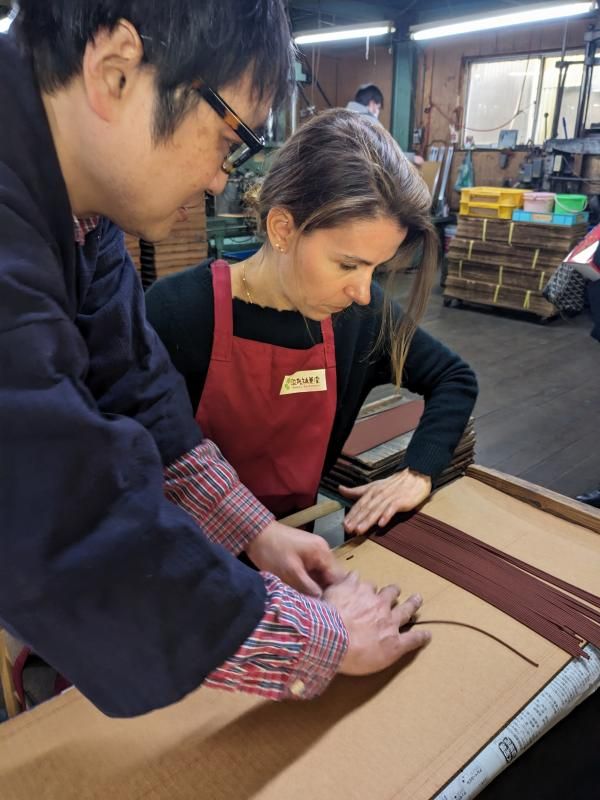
x: 270, y: 409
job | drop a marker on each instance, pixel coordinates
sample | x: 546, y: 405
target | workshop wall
x: 486, y: 164
x: 442, y: 73
x: 342, y: 69
x: 441, y: 88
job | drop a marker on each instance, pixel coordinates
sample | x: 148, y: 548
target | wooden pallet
x: 490, y: 294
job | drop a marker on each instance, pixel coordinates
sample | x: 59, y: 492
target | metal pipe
x: 294, y: 109
x: 591, y: 39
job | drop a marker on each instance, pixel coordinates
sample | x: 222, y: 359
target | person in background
x: 279, y: 351
x: 368, y: 101
x: 120, y: 521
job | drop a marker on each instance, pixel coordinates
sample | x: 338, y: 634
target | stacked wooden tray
x: 133, y: 247
x: 185, y: 246
x: 506, y: 263
x: 386, y: 436
x: 518, y: 233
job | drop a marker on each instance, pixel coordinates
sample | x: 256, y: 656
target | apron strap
x: 223, y: 310
x: 328, y: 342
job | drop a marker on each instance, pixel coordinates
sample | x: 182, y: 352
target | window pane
x: 498, y: 90
x: 548, y: 97
x: 594, y: 107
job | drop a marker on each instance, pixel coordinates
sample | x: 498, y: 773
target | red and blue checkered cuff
x: 294, y: 652
x: 205, y: 485
x: 82, y: 226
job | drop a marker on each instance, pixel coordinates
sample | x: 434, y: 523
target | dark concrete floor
x: 538, y: 412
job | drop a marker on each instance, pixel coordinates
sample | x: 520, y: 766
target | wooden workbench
x: 400, y: 734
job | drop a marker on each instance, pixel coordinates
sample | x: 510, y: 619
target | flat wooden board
x: 539, y: 497
x: 430, y: 171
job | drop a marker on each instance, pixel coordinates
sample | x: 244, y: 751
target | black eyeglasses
x: 251, y: 143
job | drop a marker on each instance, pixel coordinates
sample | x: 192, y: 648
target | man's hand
x: 302, y: 560
x: 373, y: 620
x: 377, y: 502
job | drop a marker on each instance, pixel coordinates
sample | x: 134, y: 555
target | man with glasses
x: 250, y: 142
x: 118, y: 115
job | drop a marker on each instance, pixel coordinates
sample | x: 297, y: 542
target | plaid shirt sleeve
x: 298, y: 645
x: 202, y: 483
x: 83, y: 226
x: 294, y: 652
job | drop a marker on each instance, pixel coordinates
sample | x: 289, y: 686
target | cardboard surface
x: 401, y: 734
x: 429, y: 172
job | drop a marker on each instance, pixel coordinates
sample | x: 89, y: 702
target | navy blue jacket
x: 109, y: 582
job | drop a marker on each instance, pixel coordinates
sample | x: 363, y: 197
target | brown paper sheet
x: 399, y: 735
x: 382, y: 427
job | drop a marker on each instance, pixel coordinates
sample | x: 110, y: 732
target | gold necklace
x: 244, y: 282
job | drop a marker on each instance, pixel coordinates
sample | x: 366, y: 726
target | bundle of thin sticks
x: 560, y: 612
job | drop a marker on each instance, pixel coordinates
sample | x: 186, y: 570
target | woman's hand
x: 302, y: 560
x: 377, y: 502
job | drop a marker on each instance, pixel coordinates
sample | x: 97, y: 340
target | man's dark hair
x: 216, y: 40
x: 368, y: 92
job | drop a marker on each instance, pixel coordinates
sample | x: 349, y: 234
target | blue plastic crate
x: 548, y: 218
x: 240, y: 255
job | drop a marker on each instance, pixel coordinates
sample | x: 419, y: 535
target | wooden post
x: 311, y: 514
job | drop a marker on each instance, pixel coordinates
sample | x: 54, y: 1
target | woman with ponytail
x: 280, y: 351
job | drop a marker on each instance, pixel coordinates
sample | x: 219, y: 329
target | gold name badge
x: 309, y: 380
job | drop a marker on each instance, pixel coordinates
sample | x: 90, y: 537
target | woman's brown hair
x: 341, y: 166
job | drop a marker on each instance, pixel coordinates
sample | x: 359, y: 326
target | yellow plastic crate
x: 497, y: 195
x: 489, y: 210
x: 493, y: 202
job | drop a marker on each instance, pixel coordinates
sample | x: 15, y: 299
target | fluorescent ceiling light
x: 7, y: 21
x: 343, y: 33
x: 532, y: 14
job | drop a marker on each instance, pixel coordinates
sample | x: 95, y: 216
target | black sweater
x: 181, y: 308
